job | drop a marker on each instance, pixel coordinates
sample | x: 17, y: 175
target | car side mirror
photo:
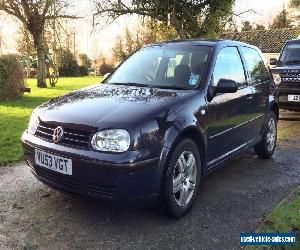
x: 273, y: 61
x: 226, y: 86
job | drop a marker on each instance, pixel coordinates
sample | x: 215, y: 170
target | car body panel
x: 156, y: 120
x: 290, y: 84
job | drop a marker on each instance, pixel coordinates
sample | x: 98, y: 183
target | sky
x: 95, y: 41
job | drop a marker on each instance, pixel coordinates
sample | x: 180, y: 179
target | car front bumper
x: 129, y: 176
x: 282, y: 95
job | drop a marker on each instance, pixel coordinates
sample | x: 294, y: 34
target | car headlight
x: 33, y: 123
x: 277, y: 78
x: 111, y: 140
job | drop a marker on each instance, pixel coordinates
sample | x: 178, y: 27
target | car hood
x: 107, y: 105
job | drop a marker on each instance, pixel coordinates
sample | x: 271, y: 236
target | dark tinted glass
x: 165, y: 66
x: 229, y: 66
x: 255, y: 65
x: 290, y: 54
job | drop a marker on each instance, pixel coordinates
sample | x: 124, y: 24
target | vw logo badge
x: 58, y: 134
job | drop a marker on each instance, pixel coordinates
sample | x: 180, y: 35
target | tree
x: 67, y: 63
x: 247, y: 26
x: 84, y: 60
x: 34, y: 14
x: 150, y: 31
x: 192, y: 19
x: 84, y: 64
x: 281, y: 21
x: 25, y: 47
x: 118, y: 51
x: 260, y: 27
x: 295, y: 3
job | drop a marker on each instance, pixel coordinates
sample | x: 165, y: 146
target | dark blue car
x: 168, y: 115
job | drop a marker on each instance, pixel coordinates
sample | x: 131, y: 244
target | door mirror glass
x: 226, y: 86
x: 273, y: 61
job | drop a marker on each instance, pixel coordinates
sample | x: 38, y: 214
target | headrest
x: 182, y: 72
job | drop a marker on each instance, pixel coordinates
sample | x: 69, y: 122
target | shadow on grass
x: 29, y: 102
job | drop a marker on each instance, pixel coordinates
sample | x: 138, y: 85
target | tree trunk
x: 28, y: 66
x: 41, y: 80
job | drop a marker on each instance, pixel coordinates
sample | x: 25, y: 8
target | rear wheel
x: 266, y: 147
x: 182, y: 179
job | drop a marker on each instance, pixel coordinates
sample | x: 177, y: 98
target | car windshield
x: 171, y: 66
x: 290, y: 54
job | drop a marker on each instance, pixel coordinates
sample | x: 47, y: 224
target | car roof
x: 207, y: 42
x: 293, y: 41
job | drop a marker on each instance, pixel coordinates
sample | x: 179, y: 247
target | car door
x: 228, y: 114
x: 260, y: 81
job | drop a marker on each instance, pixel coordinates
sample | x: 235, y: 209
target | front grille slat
x: 291, y: 79
x: 71, y: 137
x: 44, y: 133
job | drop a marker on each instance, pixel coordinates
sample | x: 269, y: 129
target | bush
x: 67, y: 63
x: 105, y: 68
x: 12, y: 84
x: 83, y: 71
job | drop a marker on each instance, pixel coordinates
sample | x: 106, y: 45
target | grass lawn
x: 15, y: 114
x: 284, y: 218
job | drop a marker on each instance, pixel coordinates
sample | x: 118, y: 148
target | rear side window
x: 229, y: 66
x: 255, y: 65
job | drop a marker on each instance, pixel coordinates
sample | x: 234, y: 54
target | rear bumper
x: 282, y: 95
x: 129, y: 176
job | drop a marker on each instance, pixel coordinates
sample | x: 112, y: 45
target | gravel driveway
x: 232, y: 199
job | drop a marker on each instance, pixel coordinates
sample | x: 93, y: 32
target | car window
x: 255, y: 65
x: 164, y: 66
x: 229, y: 66
x: 290, y: 53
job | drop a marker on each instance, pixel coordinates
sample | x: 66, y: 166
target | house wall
x: 268, y: 56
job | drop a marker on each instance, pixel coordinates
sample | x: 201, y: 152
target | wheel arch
x: 275, y: 109
x: 197, y: 135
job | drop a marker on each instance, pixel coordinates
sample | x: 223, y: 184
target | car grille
x: 291, y: 79
x: 71, y: 137
x: 73, y: 186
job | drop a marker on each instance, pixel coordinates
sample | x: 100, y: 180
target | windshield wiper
x: 131, y: 84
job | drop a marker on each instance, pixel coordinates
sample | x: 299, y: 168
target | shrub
x: 83, y: 71
x: 105, y: 68
x: 12, y: 84
x: 67, y: 63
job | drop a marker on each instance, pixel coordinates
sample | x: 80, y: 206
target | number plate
x: 294, y: 98
x: 53, y: 162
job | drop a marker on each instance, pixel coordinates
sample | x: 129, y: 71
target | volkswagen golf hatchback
x: 168, y: 115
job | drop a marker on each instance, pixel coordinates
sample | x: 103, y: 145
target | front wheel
x: 182, y: 179
x: 266, y: 147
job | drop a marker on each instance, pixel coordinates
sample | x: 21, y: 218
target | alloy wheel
x: 184, y: 178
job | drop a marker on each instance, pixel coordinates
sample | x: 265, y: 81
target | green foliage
x: 84, y: 65
x: 67, y: 63
x: 295, y: 3
x: 283, y: 219
x: 247, y: 26
x: 12, y: 83
x: 105, y: 68
x: 84, y: 60
x: 15, y: 114
x: 281, y: 21
x: 260, y: 27
x: 149, y: 32
x: 191, y: 19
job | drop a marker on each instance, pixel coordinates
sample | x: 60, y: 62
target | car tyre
x: 182, y: 179
x: 266, y: 147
